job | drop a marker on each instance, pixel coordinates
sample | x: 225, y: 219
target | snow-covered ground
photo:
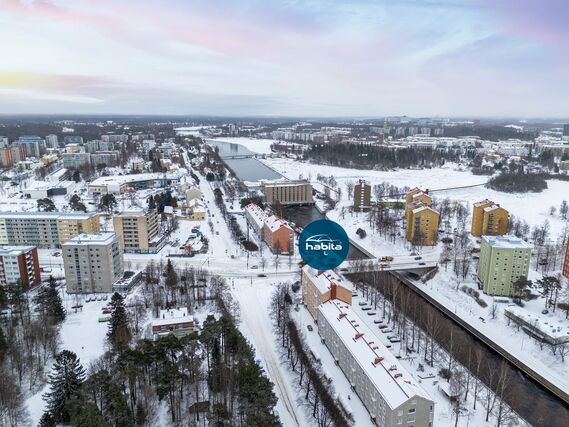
x: 532, y: 207
x: 81, y: 333
x: 253, y: 297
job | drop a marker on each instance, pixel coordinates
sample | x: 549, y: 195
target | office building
x: 422, y: 225
x: 92, y: 262
x: 321, y: 286
x: 489, y: 219
x: 138, y: 231
x: 19, y: 264
x: 288, y: 192
x: 119, y: 184
x: 362, y: 195
x: 44, y: 229
x: 390, y: 394
x: 503, y: 260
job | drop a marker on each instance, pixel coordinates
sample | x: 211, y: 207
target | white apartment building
x: 390, y: 394
x: 92, y: 262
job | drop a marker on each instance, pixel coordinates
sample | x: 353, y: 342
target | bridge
x: 239, y: 156
x: 418, y: 265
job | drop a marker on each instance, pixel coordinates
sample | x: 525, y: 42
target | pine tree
x: 119, y: 333
x: 151, y: 203
x: 65, y: 380
x: 3, y: 344
x: 49, y: 301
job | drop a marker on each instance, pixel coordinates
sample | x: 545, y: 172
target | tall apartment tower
x: 138, y: 231
x: 503, y: 260
x: 362, y: 195
x: 566, y: 262
x: 19, y: 264
x: 51, y: 141
x: 92, y: 262
x: 489, y: 219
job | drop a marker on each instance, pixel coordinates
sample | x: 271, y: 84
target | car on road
x: 417, y: 258
x: 386, y: 258
x: 261, y: 275
x: 309, y: 327
x: 422, y: 263
x: 254, y: 267
x: 384, y: 264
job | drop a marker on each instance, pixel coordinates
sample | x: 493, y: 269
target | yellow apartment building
x: 423, y: 226
x: 489, y: 219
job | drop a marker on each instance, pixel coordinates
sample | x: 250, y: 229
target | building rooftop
x: 14, y: 250
x: 274, y: 223
x: 172, y: 317
x: 125, y: 179
x: 103, y: 238
x: 506, y: 242
x: 323, y: 280
x: 424, y: 208
x: 482, y: 203
x: 392, y: 381
x: 48, y: 215
x: 285, y: 183
x: 493, y: 208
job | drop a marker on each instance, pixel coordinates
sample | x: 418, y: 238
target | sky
x: 363, y: 58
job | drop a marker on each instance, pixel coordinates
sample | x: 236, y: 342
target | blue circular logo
x: 323, y: 244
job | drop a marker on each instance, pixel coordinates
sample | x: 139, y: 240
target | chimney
x: 358, y: 336
x: 333, y: 291
x: 377, y: 360
x: 342, y: 315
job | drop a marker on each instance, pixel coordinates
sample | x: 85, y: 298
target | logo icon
x: 323, y: 244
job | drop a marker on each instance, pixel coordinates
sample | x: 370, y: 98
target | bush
x: 445, y: 373
x: 482, y: 303
x: 446, y: 240
x: 361, y: 232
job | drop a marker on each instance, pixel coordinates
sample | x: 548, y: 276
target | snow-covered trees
x: 65, y: 379
x: 119, y: 334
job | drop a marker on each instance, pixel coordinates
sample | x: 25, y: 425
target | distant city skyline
x: 296, y: 58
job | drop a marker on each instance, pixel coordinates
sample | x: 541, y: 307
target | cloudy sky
x: 286, y: 57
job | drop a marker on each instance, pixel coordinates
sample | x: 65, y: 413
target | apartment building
x: 362, y: 195
x: 92, y: 262
x: 565, y: 270
x: 390, y: 394
x: 489, y: 219
x: 138, y: 231
x: 44, y: 229
x: 75, y: 160
x: 414, y: 199
x: 288, y: 192
x: 321, y: 286
x: 275, y: 231
x: 19, y: 264
x: 422, y: 225
x: 503, y: 260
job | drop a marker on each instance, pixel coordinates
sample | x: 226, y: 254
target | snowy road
x: 256, y: 325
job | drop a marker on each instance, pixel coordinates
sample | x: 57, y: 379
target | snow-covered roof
x: 256, y: 214
x: 484, y: 202
x: 324, y: 280
x: 381, y: 366
x: 47, y: 215
x: 275, y: 223
x: 126, y: 179
x: 548, y: 326
x: 424, y: 208
x: 14, y: 250
x: 103, y: 238
x: 172, y: 316
x: 492, y: 208
x: 506, y: 242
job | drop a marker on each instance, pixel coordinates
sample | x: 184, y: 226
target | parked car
x: 417, y: 258
x: 366, y: 308
x: 421, y: 263
x: 254, y: 267
x: 386, y: 258
x: 377, y: 321
x: 361, y: 303
x: 383, y: 326
x: 354, y: 294
x: 309, y: 327
x: 386, y: 330
x: 99, y: 298
x: 261, y: 275
x: 394, y: 340
x: 371, y: 313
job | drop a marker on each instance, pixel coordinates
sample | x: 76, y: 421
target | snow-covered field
x: 532, y: 207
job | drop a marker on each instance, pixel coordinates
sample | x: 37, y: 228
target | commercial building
x: 44, y: 229
x: 503, y: 260
x: 42, y: 190
x: 489, y: 219
x: 390, y: 394
x: 92, y: 262
x: 288, y: 192
x: 362, y: 195
x: 174, y: 321
x: 422, y: 225
x: 19, y: 264
x: 321, y: 286
x: 138, y: 231
x: 122, y: 183
x: 566, y: 262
